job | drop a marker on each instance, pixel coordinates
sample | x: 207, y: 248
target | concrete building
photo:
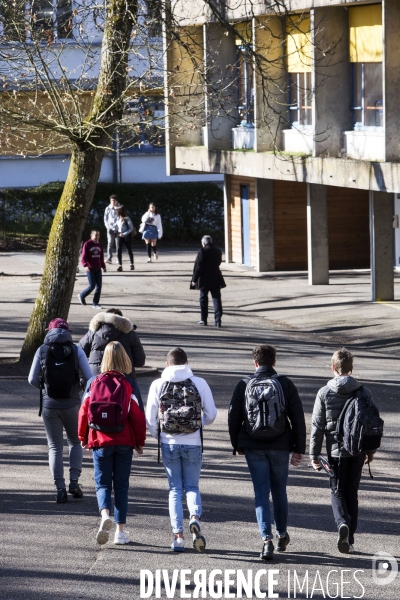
x: 309, y: 141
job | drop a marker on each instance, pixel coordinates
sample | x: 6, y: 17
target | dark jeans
x: 216, y: 298
x: 269, y: 470
x: 95, y: 280
x: 127, y: 242
x: 344, y: 491
x: 112, y: 467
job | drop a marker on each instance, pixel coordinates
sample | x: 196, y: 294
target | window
x: 153, y: 17
x: 367, y: 95
x: 12, y: 20
x: 51, y: 19
x: 300, y: 99
x: 144, y: 128
x: 246, y: 86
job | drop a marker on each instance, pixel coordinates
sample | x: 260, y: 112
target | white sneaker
x: 149, y: 260
x: 121, y: 537
x: 97, y: 306
x: 104, y: 531
x: 351, y: 549
x: 199, y: 541
x: 178, y: 545
x: 156, y: 256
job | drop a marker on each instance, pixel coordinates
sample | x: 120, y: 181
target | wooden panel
x: 235, y: 218
x: 290, y: 225
x: 348, y: 227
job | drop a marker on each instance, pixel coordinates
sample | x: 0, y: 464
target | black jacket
x: 329, y: 403
x: 108, y: 327
x: 206, y: 273
x: 294, y: 437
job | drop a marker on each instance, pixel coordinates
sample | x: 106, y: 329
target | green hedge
x: 188, y: 211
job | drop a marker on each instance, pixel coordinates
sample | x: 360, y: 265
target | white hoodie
x: 179, y: 373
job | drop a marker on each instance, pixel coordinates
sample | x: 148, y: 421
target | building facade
x: 309, y: 141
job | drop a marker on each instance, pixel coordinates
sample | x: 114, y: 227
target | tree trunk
x: 57, y: 285
x: 58, y: 279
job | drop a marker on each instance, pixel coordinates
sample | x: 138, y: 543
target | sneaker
x: 121, y: 538
x: 119, y: 269
x: 97, y: 306
x: 199, y: 542
x: 218, y: 324
x: 351, y: 549
x: 343, y: 539
x: 109, y: 261
x: 202, y: 323
x: 132, y: 267
x: 283, y: 543
x: 156, y: 255
x: 81, y: 299
x: 149, y: 260
x: 75, y: 489
x: 267, y: 552
x: 61, y: 496
x: 104, y: 531
x: 178, y: 545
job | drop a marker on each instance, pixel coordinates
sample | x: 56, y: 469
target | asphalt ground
x: 48, y: 551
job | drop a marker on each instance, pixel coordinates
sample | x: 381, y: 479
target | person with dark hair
x: 107, y: 327
x: 207, y: 277
x: 266, y: 423
x: 151, y: 230
x: 58, y: 364
x: 110, y: 223
x: 347, y: 469
x: 124, y: 237
x: 179, y: 405
x: 93, y: 261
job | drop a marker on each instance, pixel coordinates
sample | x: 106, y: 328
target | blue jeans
x: 95, y: 281
x: 269, y: 470
x: 182, y: 464
x: 112, y: 467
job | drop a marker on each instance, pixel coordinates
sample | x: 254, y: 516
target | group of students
x: 120, y: 230
x: 266, y: 424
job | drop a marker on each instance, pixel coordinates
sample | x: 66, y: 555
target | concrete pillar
x: 317, y: 234
x: 265, y: 238
x: 381, y: 236
x: 391, y: 79
x: 271, y: 113
x: 331, y: 79
x: 183, y: 88
x: 227, y: 219
x: 221, y: 91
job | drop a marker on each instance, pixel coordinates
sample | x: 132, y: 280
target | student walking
x: 151, y: 229
x: 179, y: 405
x: 112, y: 443
x: 93, y: 261
x: 55, y: 370
x: 208, y: 278
x: 124, y: 236
x: 106, y: 327
x: 347, y: 468
x: 110, y: 223
x: 267, y: 443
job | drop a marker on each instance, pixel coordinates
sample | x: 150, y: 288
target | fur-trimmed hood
x: 123, y: 324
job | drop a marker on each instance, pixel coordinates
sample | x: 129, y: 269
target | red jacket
x: 92, y: 255
x: 133, y: 434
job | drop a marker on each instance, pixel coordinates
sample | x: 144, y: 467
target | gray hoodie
x: 328, y: 405
x: 59, y: 335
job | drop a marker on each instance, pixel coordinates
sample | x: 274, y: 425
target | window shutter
x: 366, y: 33
x: 299, y: 45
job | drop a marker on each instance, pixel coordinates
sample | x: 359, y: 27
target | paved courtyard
x: 48, y: 551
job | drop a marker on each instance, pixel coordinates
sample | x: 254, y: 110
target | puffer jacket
x: 328, y: 405
x: 108, y: 327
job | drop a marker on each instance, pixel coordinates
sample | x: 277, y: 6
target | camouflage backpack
x: 179, y: 407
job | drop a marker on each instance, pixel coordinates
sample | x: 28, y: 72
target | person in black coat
x: 208, y: 278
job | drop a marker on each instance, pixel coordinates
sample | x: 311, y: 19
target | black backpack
x: 59, y: 370
x: 359, y: 427
x: 265, y: 408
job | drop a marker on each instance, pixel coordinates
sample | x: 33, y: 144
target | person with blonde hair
x: 112, y: 445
